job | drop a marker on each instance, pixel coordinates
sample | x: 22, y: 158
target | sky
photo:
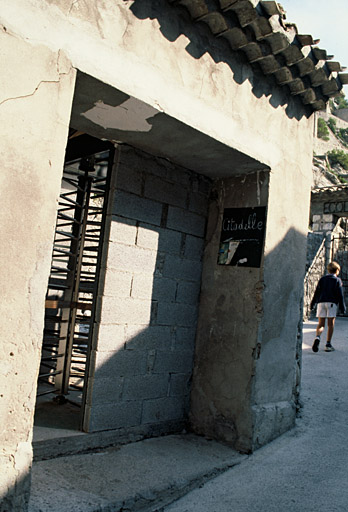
x: 324, y: 20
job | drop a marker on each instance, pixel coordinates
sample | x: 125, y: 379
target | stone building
x: 327, y: 238
x: 156, y: 173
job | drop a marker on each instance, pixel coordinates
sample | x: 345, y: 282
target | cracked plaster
x: 36, y: 96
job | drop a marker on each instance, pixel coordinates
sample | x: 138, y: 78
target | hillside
x: 330, y: 149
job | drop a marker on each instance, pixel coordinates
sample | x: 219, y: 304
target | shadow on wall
x: 143, y: 375
x: 282, y: 335
x: 203, y: 41
x: 253, y: 335
x: 17, y: 497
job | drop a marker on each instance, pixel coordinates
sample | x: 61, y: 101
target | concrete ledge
x: 272, y: 420
x: 145, y: 476
x: 80, y: 442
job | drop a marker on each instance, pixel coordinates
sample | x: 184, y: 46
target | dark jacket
x: 329, y: 289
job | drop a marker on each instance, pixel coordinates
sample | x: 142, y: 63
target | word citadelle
x: 251, y: 223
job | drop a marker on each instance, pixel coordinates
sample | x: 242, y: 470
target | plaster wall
x: 35, y: 101
x: 276, y: 385
x: 247, y: 363
x: 227, y: 334
x: 150, y: 52
x: 189, y: 74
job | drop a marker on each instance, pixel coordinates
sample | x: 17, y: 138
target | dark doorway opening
x: 73, y: 285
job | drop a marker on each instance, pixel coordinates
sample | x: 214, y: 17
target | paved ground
x: 305, y: 470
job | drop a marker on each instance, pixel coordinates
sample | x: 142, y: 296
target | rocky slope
x: 324, y: 174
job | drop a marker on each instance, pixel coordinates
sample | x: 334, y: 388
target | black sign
x: 242, y: 235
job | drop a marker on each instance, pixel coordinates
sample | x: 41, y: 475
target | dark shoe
x: 329, y: 347
x: 315, y: 346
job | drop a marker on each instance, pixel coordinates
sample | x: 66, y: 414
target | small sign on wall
x: 242, y: 236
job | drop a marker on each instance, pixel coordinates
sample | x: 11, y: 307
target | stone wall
x: 143, y: 356
x: 323, y: 222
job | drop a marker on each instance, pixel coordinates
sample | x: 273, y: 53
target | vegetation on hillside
x: 340, y: 133
x: 334, y: 163
x: 332, y: 125
x: 338, y: 156
x: 343, y: 135
x: 323, y: 132
x: 340, y: 102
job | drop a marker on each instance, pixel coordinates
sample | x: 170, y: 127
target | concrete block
x: 125, y: 311
x: 147, y: 164
x: 106, y: 390
x: 188, y: 292
x: 153, y: 288
x: 170, y: 242
x: 328, y: 226
x: 137, y: 208
x: 162, y: 409
x: 119, y: 364
x: 181, y: 268
x: 173, y: 361
x: 151, y: 357
x: 132, y: 159
x: 165, y: 191
x: 187, y: 222
x: 148, y: 236
x: 180, y: 384
x: 129, y: 179
x: 111, y: 337
x: 117, y: 283
x: 194, y: 248
x: 142, y: 286
x: 184, y: 315
x: 163, y: 240
x: 123, y: 230
x: 115, y: 415
x: 169, y: 171
x: 272, y: 420
x: 152, y: 337
x: 185, y: 338
x: 204, y: 185
x: 316, y: 227
x: 145, y: 387
x: 316, y: 218
x: 328, y: 217
x: 198, y: 203
x: 131, y: 258
x: 164, y: 289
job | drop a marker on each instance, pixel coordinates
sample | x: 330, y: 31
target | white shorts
x: 326, y: 310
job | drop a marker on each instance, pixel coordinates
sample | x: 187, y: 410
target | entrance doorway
x: 73, y: 283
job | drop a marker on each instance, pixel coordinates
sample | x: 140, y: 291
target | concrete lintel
x: 107, y: 113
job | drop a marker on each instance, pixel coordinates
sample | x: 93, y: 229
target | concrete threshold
x: 142, y: 476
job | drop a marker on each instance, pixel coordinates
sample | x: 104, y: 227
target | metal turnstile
x: 73, y: 281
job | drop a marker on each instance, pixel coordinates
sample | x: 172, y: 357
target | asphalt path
x: 305, y: 470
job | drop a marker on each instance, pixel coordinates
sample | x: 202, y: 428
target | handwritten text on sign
x: 242, y: 236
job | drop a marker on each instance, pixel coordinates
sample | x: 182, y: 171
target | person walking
x: 328, y: 297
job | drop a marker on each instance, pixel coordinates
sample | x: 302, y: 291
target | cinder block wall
x: 142, y: 361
